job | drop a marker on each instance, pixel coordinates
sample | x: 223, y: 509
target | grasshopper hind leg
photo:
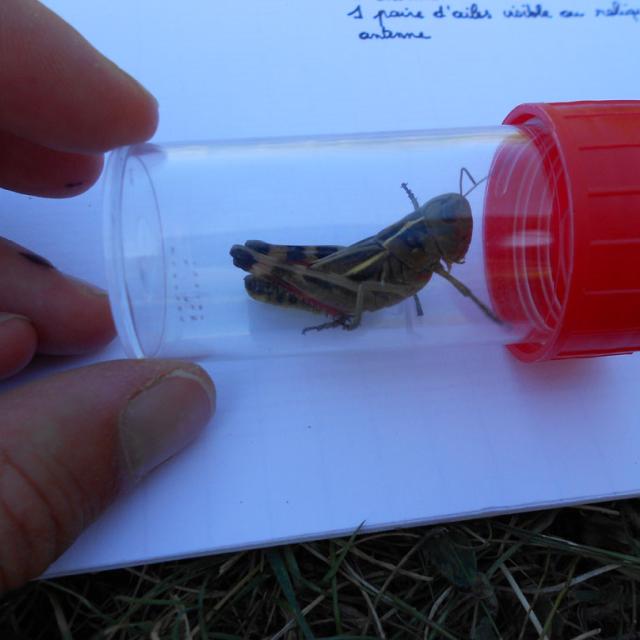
x: 340, y: 321
x: 265, y: 290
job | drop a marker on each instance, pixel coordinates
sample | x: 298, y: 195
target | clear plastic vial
x: 475, y: 260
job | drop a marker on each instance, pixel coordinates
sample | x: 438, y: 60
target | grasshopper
x: 377, y: 272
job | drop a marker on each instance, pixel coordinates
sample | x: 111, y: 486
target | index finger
x: 56, y: 90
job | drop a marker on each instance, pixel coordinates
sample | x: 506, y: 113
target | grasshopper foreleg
x: 370, y: 287
x: 465, y: 291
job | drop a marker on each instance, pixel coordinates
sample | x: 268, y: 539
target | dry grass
x: 571, y: 573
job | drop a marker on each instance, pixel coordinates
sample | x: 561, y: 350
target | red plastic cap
x: 577, y: 186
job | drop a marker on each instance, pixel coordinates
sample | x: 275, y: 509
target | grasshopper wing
x: 332, y: 293
x: 293, y: 253
x: 361, y: 261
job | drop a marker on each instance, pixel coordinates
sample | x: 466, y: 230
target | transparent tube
x: 174, y: 212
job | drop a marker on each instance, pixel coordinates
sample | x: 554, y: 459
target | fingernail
x: 5, y: 317
x: 163, y: 418
x: 36, y: 259
x: 87, y: 287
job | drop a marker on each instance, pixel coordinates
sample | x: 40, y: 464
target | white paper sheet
x: 302, y: 449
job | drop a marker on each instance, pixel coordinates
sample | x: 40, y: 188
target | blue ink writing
x: 527, y: 11
x: 393, y: 13
x: 385, y: 33
x: 617, y: 9
x: 472, y: 12
x: 402, y: 23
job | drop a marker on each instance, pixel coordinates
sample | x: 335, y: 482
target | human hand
x: 69, y: 444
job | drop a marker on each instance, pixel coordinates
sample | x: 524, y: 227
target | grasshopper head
x: 449, y: 219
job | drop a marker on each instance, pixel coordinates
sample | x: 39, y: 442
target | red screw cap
x: 562, y: 229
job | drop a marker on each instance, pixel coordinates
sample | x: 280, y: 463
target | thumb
x: 70, y: 443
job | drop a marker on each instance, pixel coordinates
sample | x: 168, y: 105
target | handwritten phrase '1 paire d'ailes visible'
x: 473, y: 12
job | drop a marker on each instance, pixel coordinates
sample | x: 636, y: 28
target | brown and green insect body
x: 377, y: 272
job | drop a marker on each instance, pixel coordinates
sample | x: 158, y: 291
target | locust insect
x: 377, y: 272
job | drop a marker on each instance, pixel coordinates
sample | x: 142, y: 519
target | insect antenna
x: 475, y: 182
x: 414, y: 200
